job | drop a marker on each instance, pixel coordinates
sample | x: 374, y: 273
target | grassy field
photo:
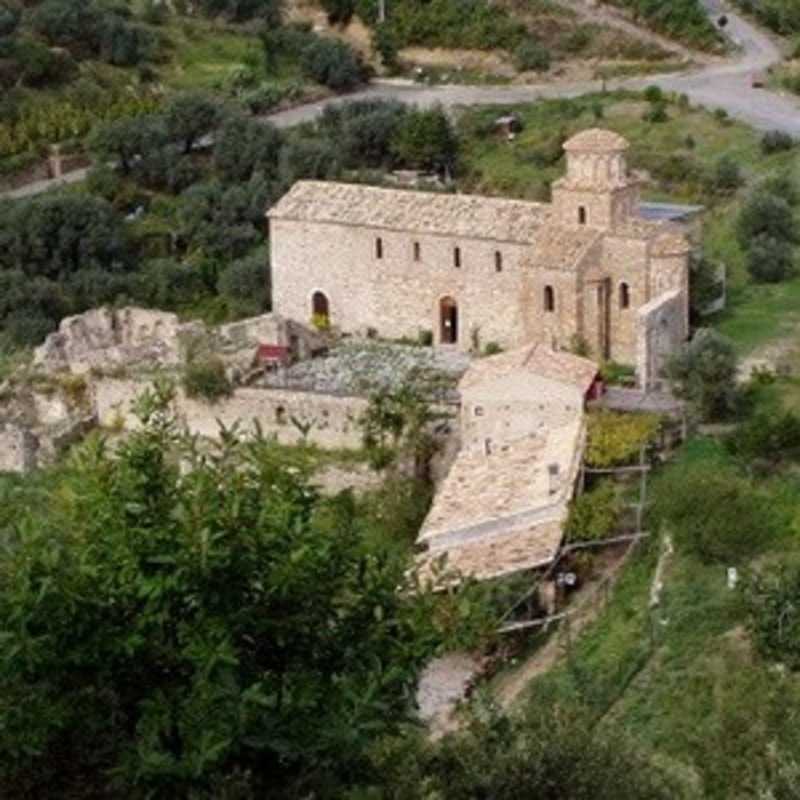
x: 683, y: 678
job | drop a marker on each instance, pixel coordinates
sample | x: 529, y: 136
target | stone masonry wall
x: 333, y: 420
x: 625, y: 261
x: 660, y: 333
x: 397, y: 295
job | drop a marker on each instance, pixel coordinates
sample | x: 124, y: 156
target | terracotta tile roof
x: 537, y: 359
x: 596, y: 140
x: 412, y: 210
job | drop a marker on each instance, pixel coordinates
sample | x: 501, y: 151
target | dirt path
x: 587, y: 610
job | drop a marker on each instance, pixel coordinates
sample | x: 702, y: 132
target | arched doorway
x: 320, y: 309
x: 448, y: 321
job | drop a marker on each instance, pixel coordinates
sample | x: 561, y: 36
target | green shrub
x: 715, y: 514
x: 776, y: 142
x: 765, y: 214
x: 530, y: 55
x: 727, y: 175
x: 773, y: 601
x: 656, y: 113
x: 426, y: 140
x: 704, y: 374
x: 244, y: 282
x: 614, y: 439
x: 770, y: 260
x: 766, y: 437
x: 593, y: 515
x: 332, y: 63
x: 205, y: 378
x: 653, y: 94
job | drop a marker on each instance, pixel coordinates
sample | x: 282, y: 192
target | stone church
x: 584, y: 271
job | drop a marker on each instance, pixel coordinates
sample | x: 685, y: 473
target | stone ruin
x: 51, y: 403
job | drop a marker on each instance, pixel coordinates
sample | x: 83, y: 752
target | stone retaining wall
x: 332, y: 420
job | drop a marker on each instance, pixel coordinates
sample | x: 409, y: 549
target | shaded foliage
x: 196, y: 630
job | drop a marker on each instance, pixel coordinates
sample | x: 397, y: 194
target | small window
x: 379, y: 248
x: 498, y: 261
x: 280, y: 415
x: 417, y: 251
x: 624, y: 295
x: 581, y: 215
x: 457, y: 256
x: 478, y: 411
x: 549, y: 299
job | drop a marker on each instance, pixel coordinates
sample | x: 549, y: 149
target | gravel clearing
x: 364, y: 367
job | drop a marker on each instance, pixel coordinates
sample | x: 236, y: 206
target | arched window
x: 456, y: 256
x: 417, y: 251
x: 581, y: 215
x: 379, y: 248
x: 280, y: 415
x: 320, y: 309
x: 498, y: 261
x: 624, y: 295
x: 549, y: 299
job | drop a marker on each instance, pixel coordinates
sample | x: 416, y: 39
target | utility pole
x: 381, y: 10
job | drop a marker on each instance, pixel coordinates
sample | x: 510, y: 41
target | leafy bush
x: 614, y: 439
x: 765, y: 214
x: 654, y: 94
x: 704, y: 285
x: 364, y: 131
x: 206, y: 379
x: 530, y: 55
x: 224, y: 222
x: 332, y: 63
x: 303, y: 158
x: 54, y: 235
x: 770, y: 260
x: 190, y: 116
x: 453, y: 23
x: 593, y: 515
x: 244, y: 283
x: 222, y: 608
x: 339, y: 12
x: 90, y: 29
x: 727, y: 175
x: 686, y: 20
x: 776, y: 142
x: 426, y: 140
x: 656, y: 113
x: 244, y: 147
x: 773, y: 600
x: 704, y: 374
x: 715, y: 514
x: 269, y: 11
x: 766, y: 437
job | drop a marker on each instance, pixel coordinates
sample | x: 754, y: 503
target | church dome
x: 596, y: 140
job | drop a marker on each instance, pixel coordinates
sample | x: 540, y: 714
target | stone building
x: 586, y: 269
x: 502, y: 507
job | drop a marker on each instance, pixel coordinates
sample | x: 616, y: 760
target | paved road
x: 726, y: 84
